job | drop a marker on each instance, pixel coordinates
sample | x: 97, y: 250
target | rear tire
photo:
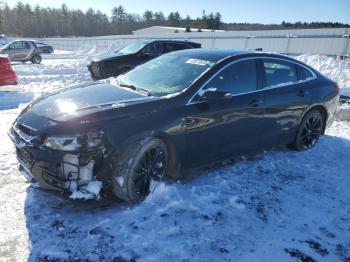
x: 142, y: 164
x: 36, y: 59
x: 309, y: 131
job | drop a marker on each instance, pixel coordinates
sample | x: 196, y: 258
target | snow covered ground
x: 277, y: 206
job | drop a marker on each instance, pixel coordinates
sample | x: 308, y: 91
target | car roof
x: 216, y: 55
x: 167, y: 40
x: 213, y: 55
x: 24, y: 40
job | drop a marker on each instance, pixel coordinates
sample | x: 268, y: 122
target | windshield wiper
x: 138, y: 89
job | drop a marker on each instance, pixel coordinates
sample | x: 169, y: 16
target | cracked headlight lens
x: 64, y: 143
x: 74, y: 142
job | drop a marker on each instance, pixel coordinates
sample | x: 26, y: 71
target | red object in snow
x: 7, y: 75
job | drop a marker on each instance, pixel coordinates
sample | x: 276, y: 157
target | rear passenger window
x: 154, y: 49
x: 279, y: 72
x: 236, y: 79
x: 179, y: 46
x: 18, y: 45
x: 303, y: 73
x: 170, y: 47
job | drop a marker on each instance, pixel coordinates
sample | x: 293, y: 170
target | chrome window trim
x: 190, y: 102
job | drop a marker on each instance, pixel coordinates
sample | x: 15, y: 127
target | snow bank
x: 51, y: 74
x: 337, y: 70
x: 93, y: 50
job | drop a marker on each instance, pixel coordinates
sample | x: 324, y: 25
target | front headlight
x: 65, y: 143
x: 74, y: 142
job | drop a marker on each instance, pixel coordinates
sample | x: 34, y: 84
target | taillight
x: 337, y: 88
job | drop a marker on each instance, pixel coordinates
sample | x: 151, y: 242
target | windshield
x: 133, y: 48
x: 167, y: 74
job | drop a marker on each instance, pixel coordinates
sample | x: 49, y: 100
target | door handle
x: 302, y: 93
x: 187, y: 121
x: 256, y: 102
x: 228, y: 96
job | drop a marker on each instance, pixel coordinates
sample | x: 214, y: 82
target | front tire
x: 36, y: 59
x: 309, y: 131
x: 142, y: 164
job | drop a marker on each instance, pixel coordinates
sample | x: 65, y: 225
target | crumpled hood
x: 84, y: 99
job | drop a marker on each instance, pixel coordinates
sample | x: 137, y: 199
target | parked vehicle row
x: 179, y: 110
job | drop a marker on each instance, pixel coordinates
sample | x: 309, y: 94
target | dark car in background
x: 133, y: 55
x: 183, y: 109
x: 23, y: 51
x: 44, y: 48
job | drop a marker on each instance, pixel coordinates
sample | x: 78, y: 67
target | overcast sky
x: 261, y: 11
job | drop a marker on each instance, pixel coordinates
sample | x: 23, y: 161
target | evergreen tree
x: 148, y: 15
x: 24, y: 20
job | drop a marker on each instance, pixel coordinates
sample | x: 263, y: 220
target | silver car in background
x: 23, y: 51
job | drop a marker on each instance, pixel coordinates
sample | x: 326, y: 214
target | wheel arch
x: 322, y: 109
x: 174, y: 163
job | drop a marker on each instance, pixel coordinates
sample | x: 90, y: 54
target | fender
x: 174, y: 161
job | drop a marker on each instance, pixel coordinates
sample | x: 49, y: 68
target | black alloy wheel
x: 150, y: 167
x: 310, y: 130
x: 139, y: 169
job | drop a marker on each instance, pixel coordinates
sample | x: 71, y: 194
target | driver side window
x: 19, y: 45
x: 236, y: 79
x: 154, y: 49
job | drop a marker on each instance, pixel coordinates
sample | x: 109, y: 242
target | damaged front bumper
x: 64, y: 171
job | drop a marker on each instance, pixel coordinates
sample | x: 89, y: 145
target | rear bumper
x: 8, y: 78
x: 331, y: 106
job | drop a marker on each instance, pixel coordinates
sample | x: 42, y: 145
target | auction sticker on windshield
x: 198, y: 62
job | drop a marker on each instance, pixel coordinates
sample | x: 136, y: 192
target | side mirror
x: 214, y: 94
x: 145, y: 54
